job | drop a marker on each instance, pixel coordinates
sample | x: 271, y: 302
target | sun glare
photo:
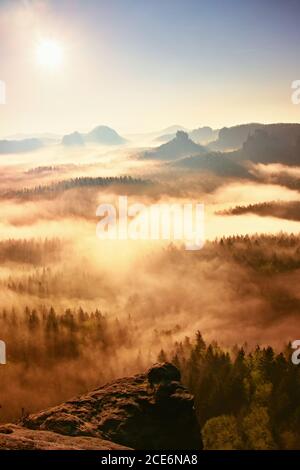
x: 49, y: 53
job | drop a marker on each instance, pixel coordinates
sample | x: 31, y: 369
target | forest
x: 73, y: 183
x: 245, y: 398
x: 59, y: 343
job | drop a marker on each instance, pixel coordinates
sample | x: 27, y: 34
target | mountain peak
x: 104, y: 135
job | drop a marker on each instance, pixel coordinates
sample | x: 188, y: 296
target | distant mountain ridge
x: 103, y: 135
x: 261, y: 143
x: 19, y: 146
x: 202, y: 135
x: 258, y: 143
x: 254, y: 142
x: 73, y: 139
x: 232, y: 138
x: 273, y: 143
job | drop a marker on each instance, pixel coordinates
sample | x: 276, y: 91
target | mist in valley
x: 77, y: 311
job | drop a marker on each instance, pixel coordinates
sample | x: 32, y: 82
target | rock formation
x: 180, y: 146
x: 147, y: 411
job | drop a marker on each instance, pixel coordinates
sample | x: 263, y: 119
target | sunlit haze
x: 149, y: 228
x: 49, y: 53
x: 199, y: 63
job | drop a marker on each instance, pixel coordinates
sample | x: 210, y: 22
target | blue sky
x: 141, y: 65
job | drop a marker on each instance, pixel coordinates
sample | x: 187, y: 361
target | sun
x: 49, y: 53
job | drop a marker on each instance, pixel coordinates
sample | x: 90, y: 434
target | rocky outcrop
x: 147, y: 411
x: 180, y: 146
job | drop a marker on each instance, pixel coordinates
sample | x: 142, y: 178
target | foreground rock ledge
x: 14, y: 437
x: 146, y: 411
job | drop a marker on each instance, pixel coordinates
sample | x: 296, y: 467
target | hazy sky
x: 142, y: 65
